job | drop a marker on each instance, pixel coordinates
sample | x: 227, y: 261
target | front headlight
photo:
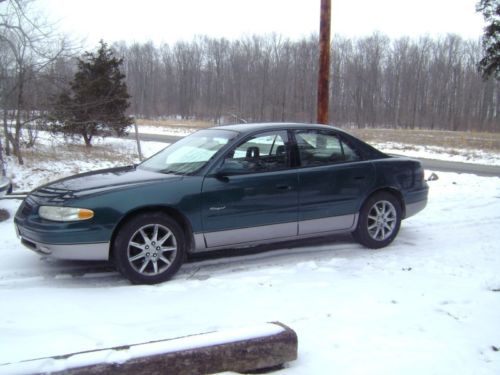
x: 56, y: 213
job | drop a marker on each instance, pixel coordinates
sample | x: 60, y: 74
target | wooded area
x: 375, y: 81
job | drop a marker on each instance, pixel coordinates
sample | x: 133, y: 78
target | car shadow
x: 94, y: 274
x: 252, y: 250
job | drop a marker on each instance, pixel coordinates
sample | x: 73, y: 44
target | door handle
x: 283, y: 187
x: 359, y: 177
x: 218, y: 208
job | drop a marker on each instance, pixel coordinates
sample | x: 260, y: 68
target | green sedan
x: 224, y: 187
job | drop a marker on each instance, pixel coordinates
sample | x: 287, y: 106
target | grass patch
x: 77, y: 152
x: 175, y: 123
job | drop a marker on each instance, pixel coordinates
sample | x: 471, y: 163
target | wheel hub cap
x: 382, y: 220
x: 152, y: 249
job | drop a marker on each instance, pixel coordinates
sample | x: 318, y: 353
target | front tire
x: 379, y: 221
x: 149, y: 248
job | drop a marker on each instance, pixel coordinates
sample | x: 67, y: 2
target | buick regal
x: 224, y: 187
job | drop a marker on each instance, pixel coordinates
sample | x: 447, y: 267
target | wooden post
x: 324, y: 63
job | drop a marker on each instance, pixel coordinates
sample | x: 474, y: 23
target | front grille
x: 27, y: 209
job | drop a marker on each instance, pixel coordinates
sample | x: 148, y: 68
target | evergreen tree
x: 98, y: 98
x: 490, y: 63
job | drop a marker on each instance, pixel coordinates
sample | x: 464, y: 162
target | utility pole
x: 324, y: 63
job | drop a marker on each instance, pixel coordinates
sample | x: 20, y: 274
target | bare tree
x: 28, y: 45
x: 402, y: 83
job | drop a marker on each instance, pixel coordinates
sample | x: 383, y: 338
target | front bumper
x: 87, y: 251
x: 62, y: 240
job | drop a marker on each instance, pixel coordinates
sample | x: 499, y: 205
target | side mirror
x: 230, y: 167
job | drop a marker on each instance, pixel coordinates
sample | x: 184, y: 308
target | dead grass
x: 175, y: 123
x: 77, y: 152
x: 440, y: 138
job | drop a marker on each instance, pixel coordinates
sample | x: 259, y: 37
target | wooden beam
x: 240, y: 350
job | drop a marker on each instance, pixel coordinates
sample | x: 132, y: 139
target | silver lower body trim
x: 247, y: 237
x: 326, y: 224
x: 413, y: 208
x: 89, y: 251
x: 244, y: 235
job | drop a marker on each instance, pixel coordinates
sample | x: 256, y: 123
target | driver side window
x: 262, y: 153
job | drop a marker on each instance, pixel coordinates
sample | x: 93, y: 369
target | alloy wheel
x: 152, y: 249
x: 382, y: 220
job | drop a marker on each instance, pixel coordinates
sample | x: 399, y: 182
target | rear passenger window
x: 317, y: 147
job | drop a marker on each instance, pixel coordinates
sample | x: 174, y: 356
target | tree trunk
x: 6, y: 132
x: 88, y: 139
x: 16, y: 140
x: 2, y: 164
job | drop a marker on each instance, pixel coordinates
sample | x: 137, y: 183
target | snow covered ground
x: 427, y: 304
x: 60, y: 159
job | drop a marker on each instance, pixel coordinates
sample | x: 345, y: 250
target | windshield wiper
x: 170, y: 171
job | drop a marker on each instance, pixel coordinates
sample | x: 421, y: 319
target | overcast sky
x: 172, y: 20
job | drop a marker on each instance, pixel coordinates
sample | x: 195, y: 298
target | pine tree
x: 98, y: 98
x: 490, y: 63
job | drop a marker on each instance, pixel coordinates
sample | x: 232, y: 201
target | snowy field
x: 427, y: 304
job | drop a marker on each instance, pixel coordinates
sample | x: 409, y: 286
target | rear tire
x: 379, y: 221
x: 149, y: 248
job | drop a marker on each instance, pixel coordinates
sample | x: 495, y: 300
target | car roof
x: 251, y: 127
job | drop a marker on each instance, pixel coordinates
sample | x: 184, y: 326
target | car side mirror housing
x: 230, y: 167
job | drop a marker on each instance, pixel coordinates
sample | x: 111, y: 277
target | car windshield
x: 190, y: 153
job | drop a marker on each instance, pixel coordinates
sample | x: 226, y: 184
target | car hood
x: 98, y: 182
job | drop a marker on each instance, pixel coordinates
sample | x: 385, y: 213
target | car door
x: 332, y: 181
x: 254, y: 194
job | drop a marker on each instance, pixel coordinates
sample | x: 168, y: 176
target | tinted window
x: 318, y: 147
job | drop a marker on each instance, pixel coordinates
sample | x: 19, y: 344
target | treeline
x: 409, y: 83
x: 403, y: 83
